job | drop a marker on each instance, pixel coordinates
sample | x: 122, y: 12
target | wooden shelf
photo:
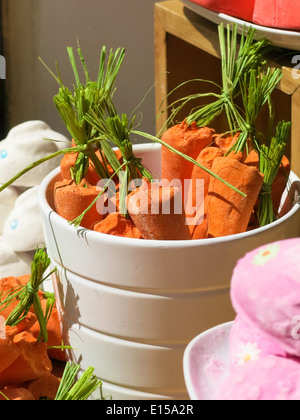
x: 187, y: 47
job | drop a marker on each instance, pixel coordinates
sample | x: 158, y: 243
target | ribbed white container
x: 130, y: 307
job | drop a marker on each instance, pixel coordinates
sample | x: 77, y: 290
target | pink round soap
x: 270, y: 378
x: 248, y: 344
x: 265, y: 291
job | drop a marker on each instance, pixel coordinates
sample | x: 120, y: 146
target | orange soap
x: 158, y: 213
x: 189, y: 140
x: 199, y: 231
x: 8, y: 285
x: 198, y: 189
x: 33, y: 362
x: 228, y: 212
x: 9, y: 353
x: 16, y: 394
x: 225, y: 141
x: 24, y: 325
x: 45, y: 387
x: 117, y: 225
x: 72, y: 200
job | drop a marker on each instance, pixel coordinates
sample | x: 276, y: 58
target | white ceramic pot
x: 130, y: 307
x: 128, y: 363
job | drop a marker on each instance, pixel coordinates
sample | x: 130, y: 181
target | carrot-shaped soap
x: 24, y: 325
x: 206, y: 159
x: 199, y: 230
x: 252, y: 159
x: 198, y: 190
x: 187, y: 139
x: 118, y: 225
x: 9, y: 353
x: 72, y: 200
x: 44, y: 388
x: 228, y: 212
x: 10, y: 285
x: 7, y: 285
x: 225, y: 141
x: 16, y: 394
x: 158, y: 212
x: 33, y: 362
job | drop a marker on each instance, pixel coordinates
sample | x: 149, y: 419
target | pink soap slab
x: 282, y: 14
x: 247, y: 343
x: 265, y: 290
x: 271, y: 378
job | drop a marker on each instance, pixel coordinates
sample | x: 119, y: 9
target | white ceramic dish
x: 278, y: 37
x: 206, y: 363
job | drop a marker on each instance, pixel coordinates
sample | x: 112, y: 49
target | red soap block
x: 281, y: 14
x: 242, y: 9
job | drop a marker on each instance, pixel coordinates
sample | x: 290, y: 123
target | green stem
x: 70, y: 389
x: 270, y: 158
x: 27, y: 295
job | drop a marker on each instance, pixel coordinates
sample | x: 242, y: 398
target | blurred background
x: 43, y: 28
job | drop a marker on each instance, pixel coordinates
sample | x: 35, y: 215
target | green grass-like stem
x: 81, y: 389
x: 27, y: 296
